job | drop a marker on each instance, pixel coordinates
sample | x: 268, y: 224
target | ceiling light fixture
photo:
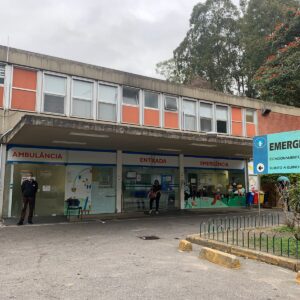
x: 90, y: 135
x: 68, y: 142
x: 202, y: 145
x: 169, y: 149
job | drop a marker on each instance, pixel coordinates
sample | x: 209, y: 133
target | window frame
x: 44, y: 92
x: 190, y: 115
x: 212, y: 116
x: 139, y: 96
x: 4, y: 71
x: 98, y: 101
x: 74, y: 78
x: 12, y: 87
x: 164, y: 104
x: 228, y: 127
x: 144, y: 99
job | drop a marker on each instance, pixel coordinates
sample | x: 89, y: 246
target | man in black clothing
x: 29, y: 188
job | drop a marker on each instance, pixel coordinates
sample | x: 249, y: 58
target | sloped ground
x: 109, y: 261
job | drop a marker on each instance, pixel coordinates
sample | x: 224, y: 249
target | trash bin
x: 261, y: 197
x: 249, y: 198
x: 256, y: 196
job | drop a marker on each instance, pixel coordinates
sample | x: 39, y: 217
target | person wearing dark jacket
x: 154, y: 194
x: 29, y: 188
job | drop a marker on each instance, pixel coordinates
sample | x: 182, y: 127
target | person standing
x: 29, y: 188
x: 154, y: 194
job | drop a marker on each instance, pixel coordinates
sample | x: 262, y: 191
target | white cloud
x: 129, y: 35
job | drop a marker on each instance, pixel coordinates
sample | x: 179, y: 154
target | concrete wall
x: 276, y: 122
x: 44, y: 62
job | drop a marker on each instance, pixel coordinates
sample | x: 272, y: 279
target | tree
x: 278, y: 79
x: 258, y: 21
x: 226, y: 47
x: 210, y: 48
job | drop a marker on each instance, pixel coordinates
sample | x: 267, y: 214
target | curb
x: 284, y: 262
x: 220, y: 258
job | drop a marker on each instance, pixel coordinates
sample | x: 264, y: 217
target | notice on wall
x: 79, y: 184
x: 46, y: 188
x: 277, y: 153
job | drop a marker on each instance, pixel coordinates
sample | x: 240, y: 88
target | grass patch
x: 284, y: 229
x: 283, y: 246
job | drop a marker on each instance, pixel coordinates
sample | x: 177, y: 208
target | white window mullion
x: 7, y: 86
x: 119, y: 105
x: 95, y: 100
x: 39, y: 91
x: 69, y: 94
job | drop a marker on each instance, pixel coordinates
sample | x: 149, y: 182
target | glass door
x: 51, y: 192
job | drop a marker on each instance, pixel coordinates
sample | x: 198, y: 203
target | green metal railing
x: 242, y: 231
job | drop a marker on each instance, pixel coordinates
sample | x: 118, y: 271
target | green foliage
x: 259, y: 20
x: 284, y: 229
x: 294, y: 195
x: 278, y: 79
x: 226, y: 46
x: 210, y: 48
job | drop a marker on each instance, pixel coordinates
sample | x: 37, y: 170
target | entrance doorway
x: 51, y: 193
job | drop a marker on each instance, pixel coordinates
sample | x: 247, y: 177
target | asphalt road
x: 109, y: 261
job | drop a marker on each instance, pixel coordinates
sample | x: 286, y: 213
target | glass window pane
x: 206, y: 110
x: 82, y: 108
x: 222, y: 126
x: 2, y: 74
x: 189, y: 107
x: 170, y: 103
x: 54, y: 104
x: 107, y: 112
x: 130, y: 96
x: 82, y: 89
x: 55, y: 84
x: 206, y: 124
x: 151, y: 100
x: 189, y: 122
x: 107, y: 93
x: 221, y: 113
x: 250, y: 116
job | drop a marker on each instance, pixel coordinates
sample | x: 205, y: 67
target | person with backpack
x: 29, y: 188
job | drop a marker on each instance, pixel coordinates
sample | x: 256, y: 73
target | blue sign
x: 277, y: 153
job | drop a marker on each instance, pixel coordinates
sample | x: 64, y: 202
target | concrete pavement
x: 108, y: 260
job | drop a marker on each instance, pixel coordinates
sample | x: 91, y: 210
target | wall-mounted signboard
x: 277, y: 153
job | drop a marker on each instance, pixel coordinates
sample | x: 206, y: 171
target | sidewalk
x: 130, y: 215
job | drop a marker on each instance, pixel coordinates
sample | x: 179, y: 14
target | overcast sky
x: 128, y: 35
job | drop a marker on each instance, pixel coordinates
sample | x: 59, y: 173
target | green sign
x: 277, y: 153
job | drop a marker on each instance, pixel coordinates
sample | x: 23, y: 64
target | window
x: 54, y: 94
x: 170, y: 103
x: 107, y: 102
x: 249, y: 116
x: 82, y: 98
x: 189, y: 115
x: 2, y: 74
x: 130, y: 95
x: 151, y: 100
x: 206, y: 116
x: 222, y: 118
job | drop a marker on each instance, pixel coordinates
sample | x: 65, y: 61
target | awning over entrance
x: 69, y: 133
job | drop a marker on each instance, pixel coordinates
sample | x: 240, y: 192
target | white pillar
x: 2, y: 176
x: 10, y: 189
x: 246, y: 173
x: 181, y: 181
x: 119, y: 181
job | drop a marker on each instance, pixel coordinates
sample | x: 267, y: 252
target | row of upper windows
x: 195, y: 115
